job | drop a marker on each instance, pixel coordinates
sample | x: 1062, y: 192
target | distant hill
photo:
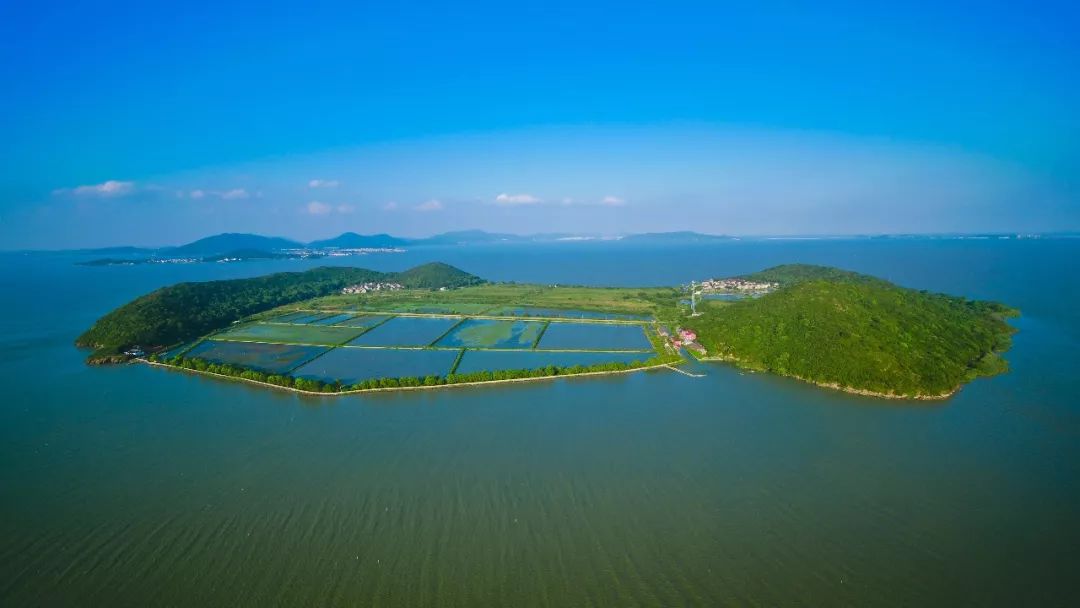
x: 232, y: 241
x: 434, y: 275
x: 352, y: 240
x: 859, y: 333
x: 250, y: 254
x: 792, y: 274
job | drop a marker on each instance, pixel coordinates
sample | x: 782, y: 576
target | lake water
x: 134, y: 486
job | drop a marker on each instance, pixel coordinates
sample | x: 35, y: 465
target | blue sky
x: 152, y: 124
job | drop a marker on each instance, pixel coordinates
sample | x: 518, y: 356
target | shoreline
x: 837, y: 387
x: 403, y: 388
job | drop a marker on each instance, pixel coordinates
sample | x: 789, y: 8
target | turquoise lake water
x: 135, y: 486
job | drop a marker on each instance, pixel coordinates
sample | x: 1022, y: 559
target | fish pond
x: 490, y: 360
x: 594, y: 336
x: 290, y: 317
x: 407, y: 331
x: 429, y: 308
x: 332, y: 319
x: 365, y: 321
x: 270, y: 358
x: 490, y: 333
x: 303, y: 334
x: 352, y: 365
x: 558, y: 313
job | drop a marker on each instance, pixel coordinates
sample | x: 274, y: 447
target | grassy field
x: 490, y: 297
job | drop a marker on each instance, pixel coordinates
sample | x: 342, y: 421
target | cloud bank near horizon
x: 571, y: 180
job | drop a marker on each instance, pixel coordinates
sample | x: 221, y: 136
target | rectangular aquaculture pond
x: 312, y: 317
x: 305, y: 334
x: 270, y: 358
x: 594, y: 336
x: 489, y: 360
x: 332, y: 319
x: 431, y: 308
x: 560, y: 313
x: 290, y: 317
x: 364, y: 321
x: 489, y: 333
x: 407, y: 331
x: 352, y: 365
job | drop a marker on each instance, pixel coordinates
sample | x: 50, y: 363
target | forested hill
x: 791, y: 274
x: 859, y: 333
x: 188, y: 310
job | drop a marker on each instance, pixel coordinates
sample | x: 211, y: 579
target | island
x: 345, y: 330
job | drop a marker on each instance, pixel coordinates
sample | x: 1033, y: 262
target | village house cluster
x: 682, y: 338
x: 736, y: 285
x: 368, y: 287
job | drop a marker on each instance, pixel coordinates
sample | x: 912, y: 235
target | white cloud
x: 235, y: 194
x: 431, y: 205
x: 612, y: 201
x: 516, y: 199
x: 317, y: 208
x: 567, y: 201
x: 111, y: 187
x: 321, y: 208
x: 390, y: 206
x: 323, y: 183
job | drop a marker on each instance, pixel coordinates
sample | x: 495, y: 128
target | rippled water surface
x: 133, y: 486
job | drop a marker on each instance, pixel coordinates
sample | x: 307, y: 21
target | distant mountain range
x: 253, y: 246
x: 230, y: 242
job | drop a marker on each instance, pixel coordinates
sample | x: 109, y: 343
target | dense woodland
x: 186, y: 311
x: 834, y: 327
